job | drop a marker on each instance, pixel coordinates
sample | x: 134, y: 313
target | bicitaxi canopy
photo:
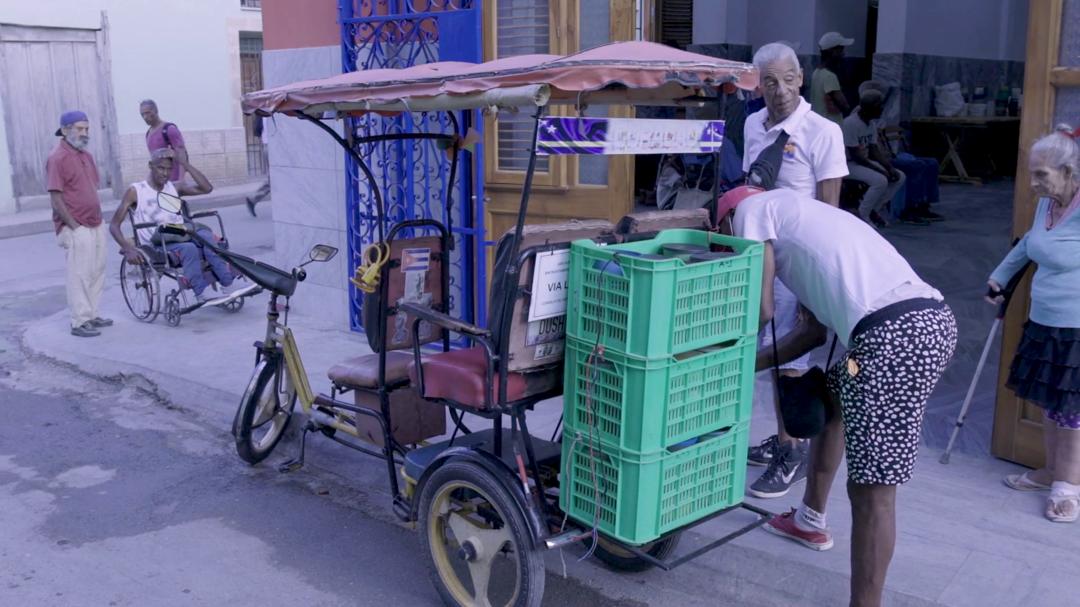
x: 633, y: 73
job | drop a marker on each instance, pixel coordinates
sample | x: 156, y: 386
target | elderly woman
x: 1046, y: 369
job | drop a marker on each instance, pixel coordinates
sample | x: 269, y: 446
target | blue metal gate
x: 413, y: 175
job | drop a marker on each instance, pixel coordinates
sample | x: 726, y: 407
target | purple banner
x: 562, y: 135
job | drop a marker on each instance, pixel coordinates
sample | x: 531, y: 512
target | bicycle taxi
x: 652, y: 353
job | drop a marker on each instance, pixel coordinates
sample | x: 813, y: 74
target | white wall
x: 975, y: 29
x: 789, y: 20
x: 720, y: 21
x: 174, y: 52
x: 758, y: 22
x: 845, y: 16
x: 182, y: 54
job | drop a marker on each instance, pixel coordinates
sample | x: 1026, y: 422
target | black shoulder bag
x: 805, y: 403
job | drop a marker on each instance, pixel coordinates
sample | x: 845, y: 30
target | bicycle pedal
x: 290, y: 466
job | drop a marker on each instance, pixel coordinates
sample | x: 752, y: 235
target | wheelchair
x: 140, y: 282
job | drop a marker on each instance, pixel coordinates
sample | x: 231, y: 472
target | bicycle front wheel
x: 265, y: 411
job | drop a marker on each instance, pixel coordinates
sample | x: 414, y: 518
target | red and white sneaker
x: 784, y: 525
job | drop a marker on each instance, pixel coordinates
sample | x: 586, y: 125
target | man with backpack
x: 162, y: 135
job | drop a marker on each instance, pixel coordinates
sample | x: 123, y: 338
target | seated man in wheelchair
x: 141, y: 199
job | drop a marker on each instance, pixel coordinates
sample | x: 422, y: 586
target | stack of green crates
x: 659, y: 382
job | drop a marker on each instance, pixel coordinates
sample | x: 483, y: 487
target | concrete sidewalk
x: 963, y: 538
x: 38, y: 221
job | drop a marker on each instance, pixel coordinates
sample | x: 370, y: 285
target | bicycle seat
x: 363, y: 371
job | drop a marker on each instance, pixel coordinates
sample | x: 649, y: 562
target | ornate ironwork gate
x: 413, y: 175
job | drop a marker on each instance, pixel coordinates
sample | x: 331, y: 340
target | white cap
x: 833, y: 40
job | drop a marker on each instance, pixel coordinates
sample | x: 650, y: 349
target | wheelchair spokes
x: 141, y: 289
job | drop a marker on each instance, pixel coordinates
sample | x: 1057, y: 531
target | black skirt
x: 1046, y: 368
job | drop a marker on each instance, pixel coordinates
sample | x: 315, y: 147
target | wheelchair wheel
x: 172, y: 309
x: 619, y: 558
x: 141, y: 287
x: 265, y: 411
x: 479, y: 545
x: 233, y: 305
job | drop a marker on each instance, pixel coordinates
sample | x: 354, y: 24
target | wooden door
x: 47, y: 71
x: 564, y: 187
x: 1051, y: 95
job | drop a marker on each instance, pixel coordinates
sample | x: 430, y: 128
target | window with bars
x: 677, y: 22
x: 521, y: 28
x: 251, y: 4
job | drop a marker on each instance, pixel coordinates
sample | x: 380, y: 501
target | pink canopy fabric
x: 655, y: 71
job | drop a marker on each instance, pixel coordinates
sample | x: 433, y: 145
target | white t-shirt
x: 858, y: 134
x: 814, y: 151
x: 838, y: 266
x: 148, y: 211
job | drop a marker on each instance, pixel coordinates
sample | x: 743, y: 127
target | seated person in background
x: 866, y: 160
x: 921, y: 188
x: 141, y: 199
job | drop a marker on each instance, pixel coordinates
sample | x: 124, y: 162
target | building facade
x: 104, y: 56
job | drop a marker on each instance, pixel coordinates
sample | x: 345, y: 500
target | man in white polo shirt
x: 813, y: 164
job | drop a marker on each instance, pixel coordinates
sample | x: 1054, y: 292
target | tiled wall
x: 307, y: 178
x: 220, y: 153
x: 913, y: 78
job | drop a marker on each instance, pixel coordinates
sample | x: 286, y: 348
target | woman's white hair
x: 774, y: 52
x: 1059, y: 150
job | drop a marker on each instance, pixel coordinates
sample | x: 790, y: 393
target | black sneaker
x: 931, y: 216
x: 910, y: 218
x: 100, y: 322
x: 762, y: 454
x: 85, y: 330
x: 787, y: 467
x: 878, y: 220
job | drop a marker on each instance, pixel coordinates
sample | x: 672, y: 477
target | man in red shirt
x: 73, y: 181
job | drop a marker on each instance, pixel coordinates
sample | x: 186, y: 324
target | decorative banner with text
x: 561, y: 135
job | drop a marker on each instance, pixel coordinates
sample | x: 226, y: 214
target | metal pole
x: 527, y: 186
x: 1006, y: 293
x: 971, y: 390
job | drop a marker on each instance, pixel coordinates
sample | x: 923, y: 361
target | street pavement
x: 142, y: 414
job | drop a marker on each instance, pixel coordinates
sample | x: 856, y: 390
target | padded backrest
x: 654, y: 221
x: 412, y: 274
x: 538, y: 343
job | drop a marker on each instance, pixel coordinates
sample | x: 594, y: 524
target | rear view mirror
x: 170, y: 203
x: 322, y: 252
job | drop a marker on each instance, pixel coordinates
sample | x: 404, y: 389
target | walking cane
x: 1007, y: 293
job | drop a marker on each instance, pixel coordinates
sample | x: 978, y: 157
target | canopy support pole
x: 379, y: 210
x: 526, y: 188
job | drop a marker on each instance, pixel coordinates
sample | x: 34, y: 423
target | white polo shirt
x: 814, y: 151
x: 839, y: 279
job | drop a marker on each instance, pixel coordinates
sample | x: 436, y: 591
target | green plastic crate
x: 646, y: 405
x: 658, y: 308
x: 636, y: 498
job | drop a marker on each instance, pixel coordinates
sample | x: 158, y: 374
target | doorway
x: 251, y: 79
x: 47, y: 71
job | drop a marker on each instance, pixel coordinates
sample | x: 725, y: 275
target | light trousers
x: 881, y: 192
x: 85, y: 248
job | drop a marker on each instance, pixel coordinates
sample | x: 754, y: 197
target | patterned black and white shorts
x: 883, y: 383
